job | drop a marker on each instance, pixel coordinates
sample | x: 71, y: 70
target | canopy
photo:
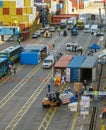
x: 94, y: 46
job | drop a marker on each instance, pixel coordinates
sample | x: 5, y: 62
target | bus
x: 12, y: 53
x: 4, y: 68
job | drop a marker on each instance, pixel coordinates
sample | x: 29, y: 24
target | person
x: 10, y: 67
x: 104, y: 113
x: 19, y: 40
x: 14, y: 68
x: 63, y: 80
x: 85, y: 84
x: 53, y: 44
x: 49, y: 87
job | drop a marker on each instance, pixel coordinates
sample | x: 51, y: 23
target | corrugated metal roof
x: 89, y: 62
x: 63, y: 61
x: 76, y: 61
x: 36, y: 47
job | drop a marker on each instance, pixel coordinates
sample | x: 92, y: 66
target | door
x: 68, y: 74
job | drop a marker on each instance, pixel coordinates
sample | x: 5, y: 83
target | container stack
x: 59, y: 8
x: 15, y: 12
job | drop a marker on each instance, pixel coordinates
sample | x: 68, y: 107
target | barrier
x: 45, y: 80
x: 38, y: 79
x: 12, y: 79
x: 29, y: 79
x: 19, y: 79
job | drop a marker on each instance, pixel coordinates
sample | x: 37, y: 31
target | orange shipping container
x: 19, y: 11
x: 5, y: 11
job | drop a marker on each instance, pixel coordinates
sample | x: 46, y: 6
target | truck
x: 55, y: 19
x: 94, y: 28
x: 87, y: 28
x: 81, y: 22
x: 63, y: 23
x: 71, y: 22
x: 74, y: 31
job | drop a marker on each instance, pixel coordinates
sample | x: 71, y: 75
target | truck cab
x: 63, y: 23
x: 71, y: 22
x: 94, y: 28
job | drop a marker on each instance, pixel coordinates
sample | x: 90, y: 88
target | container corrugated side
x: 5, y: 4
x: 1, y: 4
x: 19, y: 3
x: 5, y: 11
x: 12, y: 4
x: 27, y: 2
x: 12, y: 11
x: 1, y: 11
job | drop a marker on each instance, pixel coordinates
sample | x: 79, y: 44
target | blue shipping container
x: 1, y: 3
x: 74, y: 66
x: 59, y: 6
x: 30, y: 58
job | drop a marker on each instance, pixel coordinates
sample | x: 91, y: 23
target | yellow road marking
x: 74, y: 121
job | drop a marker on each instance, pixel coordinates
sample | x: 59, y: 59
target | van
x: 102, y: 58
x: 87, y: 28
x: 94, y: 28
x: 49, y: 61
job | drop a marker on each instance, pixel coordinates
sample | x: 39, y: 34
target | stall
x: 88, y: 69
x: 72, y: 70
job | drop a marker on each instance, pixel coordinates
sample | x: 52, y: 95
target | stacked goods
x: 73, y: 106
x: 84, y: 105
x: 78, y: 87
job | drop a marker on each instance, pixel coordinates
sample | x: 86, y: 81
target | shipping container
x: 59, y: 6
x: 57, y: 18
x: 5, y: 11
x: 23, y: 26
x: 61, y: 64
x: 30, y: 58
x: 27, y: 2
x: 28, y: 10
x: 1, y: 3
x: 12, y: 11
x: 5, y: 4
x: 73, y: 71
x: 19, y: 11
x: 1, y: 11
x: 12, y: 4
x: 89, y: 68
x: 19, y: 3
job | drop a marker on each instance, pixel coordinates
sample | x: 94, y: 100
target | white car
x: 47, y: 27
x: 42, y: 30
x: 69, y: 46
x: 52, y: 29
x: 36, y: 34
x: 98, y: 34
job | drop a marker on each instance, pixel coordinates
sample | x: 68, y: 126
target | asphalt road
x: 21, y: 102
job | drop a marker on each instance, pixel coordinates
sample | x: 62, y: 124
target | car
x: 98, y: 34
x: 42, y: 30
x: 47, y: 27
x: 52, y: 29
x: 36, y: 34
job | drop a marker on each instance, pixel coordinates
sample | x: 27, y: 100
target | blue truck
x: 74, y: 31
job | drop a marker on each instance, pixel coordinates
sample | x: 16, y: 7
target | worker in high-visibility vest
x: 104, y: 113
x: 95, y: 94
x: 102, y: 127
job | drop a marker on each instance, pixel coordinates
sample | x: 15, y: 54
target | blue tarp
x: 94, y: 46
x: 74, y: 66
x: 89, y: 62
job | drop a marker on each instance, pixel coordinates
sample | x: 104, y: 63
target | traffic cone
x: 19, y: 79
x: 29, y: 79
x: 2, y: 79
x: 45, y: 80
x: 13, y: 79
x: 8, y: 79
x: 38, y: 79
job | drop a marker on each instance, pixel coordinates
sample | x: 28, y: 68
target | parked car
x: 47, y: 27
x: 52, y: 29
x: 42, y: 30
x: 36, y: 34
x: 99, y: 34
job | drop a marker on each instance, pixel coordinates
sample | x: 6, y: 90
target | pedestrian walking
x: 53, y: 44
x: 10, y: 67
x: 63, y: 80
x: 49, y: 87
x: 19, y: 41
x: 14, y: 68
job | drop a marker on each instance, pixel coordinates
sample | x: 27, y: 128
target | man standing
x: 49, y: 87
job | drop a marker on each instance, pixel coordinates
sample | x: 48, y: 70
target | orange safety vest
x: 104, y: 110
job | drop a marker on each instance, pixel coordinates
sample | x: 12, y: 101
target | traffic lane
x: 34, y: 116
x: 6, y: 87
x: 12, y: 107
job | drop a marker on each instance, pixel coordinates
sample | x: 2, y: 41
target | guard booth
x: 88, y: 69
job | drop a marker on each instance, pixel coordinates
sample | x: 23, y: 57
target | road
x: 21, y: 101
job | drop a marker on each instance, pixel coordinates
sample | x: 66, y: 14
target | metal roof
x: 63, y: 61
x: 76, y: 61
x: 89, y: 62
x: 2, y: 59
x: 34, y: 47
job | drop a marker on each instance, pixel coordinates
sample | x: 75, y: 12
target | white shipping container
x: 53, y: 6
x: 73, y: 106
x: 69, y: 8
x: 19, y: 3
